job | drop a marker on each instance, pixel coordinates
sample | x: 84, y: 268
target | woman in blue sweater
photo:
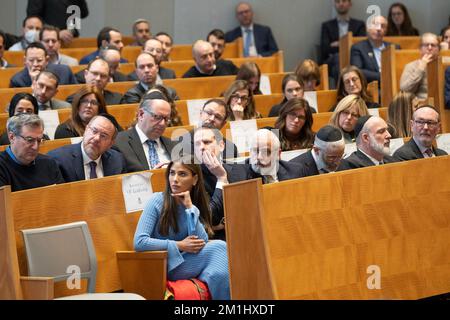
x: 179, y: 221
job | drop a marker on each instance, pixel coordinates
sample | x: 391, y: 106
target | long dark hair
x: 406, y: 29
x: 250, y: 110
x: 306, y: 134
x: 199, y: 198
x: 22, y: 96
x: 341, y: 93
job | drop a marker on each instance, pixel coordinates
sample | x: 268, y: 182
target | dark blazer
x: 70, y: 161
x: 188, y: 145
x: 286, y: 171
x: 447, y: 88
x: 129, y: 144
x: 164, y: 73
x: 359, y: 160
x: 64, y: 73
x: 363, y: 57
x: 134, y: 95
x: 264, y: 41
x: 308, y: 165
x: 117, y: 77
x: 411, y: 151
x: 111, y: 98
x: 330, y: 33
x: 223, y: 68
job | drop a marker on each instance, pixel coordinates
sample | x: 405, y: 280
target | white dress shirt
x: 162, y: 153
x: 252, y: 50
x: 87, y: 167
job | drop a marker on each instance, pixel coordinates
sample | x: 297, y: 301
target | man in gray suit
x: 45, y: 87
x: 425, y: 125
x: 49, y: 37
x: 143, y: 146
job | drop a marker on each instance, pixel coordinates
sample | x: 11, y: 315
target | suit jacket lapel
x: 105, y: 164
x: 312, y: 167
x: 335, y: 29
x: 77, y: 158
x: 371, y: 56
x: 415, y: 149
x: 364, y: 160
x: 136, y: 146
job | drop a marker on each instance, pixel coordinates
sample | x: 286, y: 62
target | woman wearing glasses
x: 240, y: 102
x: 353, y: 81
x: 87, y: 103
x: 21, y: 103
x: 295, y: 125
x: 399, y: 22
x: 347, y: 113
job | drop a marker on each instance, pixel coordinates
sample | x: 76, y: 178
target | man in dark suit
x: 258, y: 39
x: 93, y: 157
x: 334, y: 29
x: 36, y: 60
x: 45, y: 87
x: 214, y: 116
x: 326, y: 154
x: 372, y: 140
x: 216, y: 38
x: 208, y: 148
x: 366, y: 55
x: 154, y: 47
x: 205, y: 62
x: 3, y: 63
x: 425, y: 125
x: 265, y: 162
x: 106, y: 37
x: 143, y: 146
x: 97, y: 74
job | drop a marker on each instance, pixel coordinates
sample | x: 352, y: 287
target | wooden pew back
x: 436, y: 84
x: 375, y: 221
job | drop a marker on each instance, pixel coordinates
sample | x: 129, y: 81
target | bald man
x: 205, y: 62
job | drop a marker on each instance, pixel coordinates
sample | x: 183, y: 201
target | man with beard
x: 93, y: 157
x: 45, y: 88
x: 208, y: 149
x: 372, y: 140
x: 326, y: 154
x: 425, y: 125
x: 143, y: 146
x: 265, y: 159
x: 217, y: 39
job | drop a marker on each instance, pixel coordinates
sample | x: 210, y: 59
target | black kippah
x: 360, y: 124
x: 329, y: 133
x: 155, y: 95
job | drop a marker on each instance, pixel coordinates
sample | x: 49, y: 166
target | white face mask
x: 32, y: 36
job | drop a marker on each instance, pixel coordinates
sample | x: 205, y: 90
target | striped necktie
x: 152, y: 153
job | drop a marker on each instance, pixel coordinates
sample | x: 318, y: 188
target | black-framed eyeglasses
x: 236, y: 97
x: 430, y: 124
x: 103, y: 136
x: 157, y: 117
x: 211, y: 113
x: 31, y: 140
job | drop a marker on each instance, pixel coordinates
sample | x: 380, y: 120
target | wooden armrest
x: 143, y: 273
x: 37, y: 288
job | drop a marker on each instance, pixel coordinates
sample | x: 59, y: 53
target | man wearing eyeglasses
x: 93, y: 157
x: 414, y: 76
x: 425, y: 125
x: 21, y: 165
x: 143, y: 146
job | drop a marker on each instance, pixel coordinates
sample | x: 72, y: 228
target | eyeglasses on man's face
x: 157, y: 117
x: 103, y: 136
x: 431, y: 124
x: 31, y: 140
x: 211, y: 113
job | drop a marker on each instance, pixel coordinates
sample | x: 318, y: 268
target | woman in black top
x: 291, y: 87
x: 399, y: 22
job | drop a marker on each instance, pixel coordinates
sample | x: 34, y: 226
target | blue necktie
x: 248, y: 42
x: 152, y: 154
x: 93, y: 173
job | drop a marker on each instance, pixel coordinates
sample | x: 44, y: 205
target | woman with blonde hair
x: 308, y: 72
x: 240, y: 102
x: 295, y: 125
x: 400, y: 114
x: 347, y: 113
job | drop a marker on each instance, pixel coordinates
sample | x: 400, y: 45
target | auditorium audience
x: 425, y: 125
x: 36, y: 60
x: 400, y: 112
x: 445, y: 38
x: 326, y: 153
x: 167, y: 43
x: 45, y: 88
x: 205, y: 62
x: 372, y: 141
x: 97, y: 74
x: 414, y: 76
x: 308, y: 72
x: 265, y: 159
x: 209, y: 148
x: 141, y: 32
x: 92, y: 158
x: 31, y: 27
x: 87, y: 103
x: 249, y: 71
x: 291, y: 88
x: 178, y: 220
x: 333, y: 30
x: 258, y: 40
x: 240, y: 102
x: 346, y: 115
x: 216, y: 38
x: 3, y: 63
x: 143, y: 146
x: 399, y: 22
x: 366, y: 55
x: 175, y: 119
x: 295, y: 125
x: 106, y: 37
x: 352, y: 81
x: 49, y: 37
x: 21, y: 165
